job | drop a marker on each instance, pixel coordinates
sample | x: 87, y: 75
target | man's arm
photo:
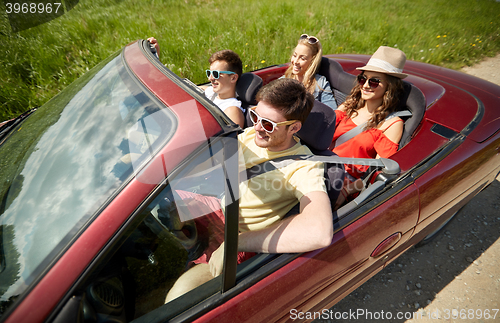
x: 234, y: 113
x: 309, y: 230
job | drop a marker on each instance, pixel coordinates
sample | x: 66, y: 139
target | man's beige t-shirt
x: 266, y: 198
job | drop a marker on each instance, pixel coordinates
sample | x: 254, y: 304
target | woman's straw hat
x: 387, y: 60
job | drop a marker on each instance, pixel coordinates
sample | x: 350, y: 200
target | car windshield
x: 61, y: 164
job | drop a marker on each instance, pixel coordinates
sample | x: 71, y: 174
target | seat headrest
x: 317, y: 132
x: 247, y: 87
x: 335, y: 74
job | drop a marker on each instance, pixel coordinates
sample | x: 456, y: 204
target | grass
x: 35, y: 64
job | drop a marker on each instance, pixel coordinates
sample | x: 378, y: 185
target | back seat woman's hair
x: 309, y: 76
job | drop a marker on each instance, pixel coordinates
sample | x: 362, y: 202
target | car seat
x: 317, y: 134
x: 246, y: 89
x: 340, y: 81
x: 413, y: 100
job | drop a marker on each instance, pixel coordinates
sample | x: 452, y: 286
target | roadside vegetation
x: 37, y: 63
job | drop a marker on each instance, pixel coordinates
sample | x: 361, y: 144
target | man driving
x: 265, y: 200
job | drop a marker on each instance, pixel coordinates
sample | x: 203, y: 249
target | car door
x: 280, y: 287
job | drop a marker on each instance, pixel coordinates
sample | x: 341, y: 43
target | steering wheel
x: 186, y: 232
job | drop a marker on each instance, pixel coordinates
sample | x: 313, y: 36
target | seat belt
x: 388, y: 166
x: 359, y: 128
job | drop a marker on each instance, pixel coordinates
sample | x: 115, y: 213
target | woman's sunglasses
x: 216, y: 74
x: 267, y: 124
x: 311, y: 39
x: 373, y: 82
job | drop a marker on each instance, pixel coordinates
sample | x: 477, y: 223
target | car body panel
x: 444, y: 111
x: 468, y: 167
x: 293, y: 286
x: 466, y: 85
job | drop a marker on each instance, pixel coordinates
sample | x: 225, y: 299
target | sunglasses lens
x: 361, y: 79
x: 310, y: 39
x: 373, y: 83
x: 253, y: 117
x: 215, y: 74
x: 268, y: 126
x: 313, y: 40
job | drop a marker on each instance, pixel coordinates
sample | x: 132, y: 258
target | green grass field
x: 35, y: 64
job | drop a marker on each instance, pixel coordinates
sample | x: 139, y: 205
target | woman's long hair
x: 390, y: 101
x: 309, y: 76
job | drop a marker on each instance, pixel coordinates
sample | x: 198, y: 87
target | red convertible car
x: 93, y: 230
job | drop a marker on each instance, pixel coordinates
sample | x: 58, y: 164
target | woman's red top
x: 367, y: 144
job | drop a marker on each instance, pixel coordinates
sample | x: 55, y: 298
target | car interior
x: 317, y: 133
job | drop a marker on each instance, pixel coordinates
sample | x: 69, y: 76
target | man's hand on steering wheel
x: 216, y: 261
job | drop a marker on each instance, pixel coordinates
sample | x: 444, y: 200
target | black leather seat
x: 413, y: 100
x: 246, y: 89
x: 340, y: 81
x: 317, y: 134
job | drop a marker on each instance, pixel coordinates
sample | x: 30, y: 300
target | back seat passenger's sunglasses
x: 267, y: 124
x: 311, y: 39
x: 216, y: 74
x: 373, y: 82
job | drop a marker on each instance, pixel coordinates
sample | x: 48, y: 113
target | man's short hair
x: 289, y: 96
x: 232, y: 59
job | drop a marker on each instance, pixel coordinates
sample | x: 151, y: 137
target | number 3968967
x: 32, y: 7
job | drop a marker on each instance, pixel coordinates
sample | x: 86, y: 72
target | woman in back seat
x: 367, y: 113
x: 304, y: 66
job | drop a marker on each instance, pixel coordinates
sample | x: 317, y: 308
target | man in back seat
x: 224, y: 73
x: 283, y: 106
